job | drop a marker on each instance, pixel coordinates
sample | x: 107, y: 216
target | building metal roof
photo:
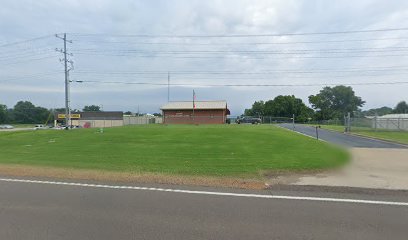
x: 395, y: 116
x: 188, y: 105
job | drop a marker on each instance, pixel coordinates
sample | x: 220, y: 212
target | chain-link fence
x: 378, y: 124
x: 260, y: 119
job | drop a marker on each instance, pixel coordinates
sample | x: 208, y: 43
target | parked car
x: 40, y: 126
x: 251, y: 120
x: 6, y: 127
x: 69, y: 127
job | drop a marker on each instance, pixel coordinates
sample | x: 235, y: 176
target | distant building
x: 92, y: 119
x: 199, y: 112
x: 391, y: 122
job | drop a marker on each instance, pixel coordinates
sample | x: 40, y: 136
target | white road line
x: 320, y: 199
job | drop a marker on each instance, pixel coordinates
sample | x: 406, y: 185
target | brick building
x: 204, y: 112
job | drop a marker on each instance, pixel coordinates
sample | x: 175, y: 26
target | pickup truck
x: 251, y: 120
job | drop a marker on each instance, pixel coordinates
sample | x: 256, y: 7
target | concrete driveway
x: 375, y: 164
x: 380, y: 168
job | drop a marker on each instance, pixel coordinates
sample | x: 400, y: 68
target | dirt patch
x: 286, y: 177
x: 131, y: 177
x: 377, y: 168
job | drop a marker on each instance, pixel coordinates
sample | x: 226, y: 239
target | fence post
x: 398, y: 123
x: 375, y: 122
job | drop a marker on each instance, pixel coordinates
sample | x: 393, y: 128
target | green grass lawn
x: 397, y: 136
x: 208, y: 150
x: 401, y: 137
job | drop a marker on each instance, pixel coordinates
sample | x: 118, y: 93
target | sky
x: 123, y: 52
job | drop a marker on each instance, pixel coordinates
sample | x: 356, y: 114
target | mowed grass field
x: 396, y: 136
x: 208, y: 150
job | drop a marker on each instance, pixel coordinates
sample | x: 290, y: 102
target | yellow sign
x: 77, y: 116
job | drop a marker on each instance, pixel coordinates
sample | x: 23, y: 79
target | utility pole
x: 168, y: 86
x: 193, y: 105
x: 66, y: 70
x: 348, y: 128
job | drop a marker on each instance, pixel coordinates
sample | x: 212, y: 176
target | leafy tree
x: 256, y: 110
x: 281, y: 106
x: 59, y: 110
x: 336, y: 102
x: 377, y: 111
x: 128, y: 113
x: 91, y: 108
x: 402, y: 107
x: 3, y: 113
x: 286, y: 106
x: 26, y: 112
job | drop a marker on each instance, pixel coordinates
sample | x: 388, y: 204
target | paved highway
x: 341, y: 138
x: 62, y: 211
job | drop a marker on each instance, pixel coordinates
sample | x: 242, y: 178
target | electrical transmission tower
x: 65, y: 61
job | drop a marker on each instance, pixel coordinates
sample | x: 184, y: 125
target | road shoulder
x: 375, y: 168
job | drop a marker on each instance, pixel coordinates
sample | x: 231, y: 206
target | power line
x: 249, y: 77
x: 243, y: 35
x: 292, y: 51
x: 25, y: 41
x: 244, y: 85
x: 29, y: 60
x: 24, y: 55
x: 31, y: 76
x: 237, y: 56
x: 302, y: 71
x: 247, y: 43
x: 26, y: 50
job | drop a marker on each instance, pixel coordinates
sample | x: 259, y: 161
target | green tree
x: 281, y: 106
x: 286, y: 106
x: 3, y: 113
x: 377, y: 111
x: 26, y: 112
x: 336, y: 102
x: 256, y: 110
x: 402, y: 107
x: 91, y: 108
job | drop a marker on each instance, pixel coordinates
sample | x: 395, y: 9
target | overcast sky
x: 200, y: 43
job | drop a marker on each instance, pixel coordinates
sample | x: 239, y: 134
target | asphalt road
x: 47, y: 211
x: 341, y: 138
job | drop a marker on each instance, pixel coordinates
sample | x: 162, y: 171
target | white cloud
x: 26, y: 19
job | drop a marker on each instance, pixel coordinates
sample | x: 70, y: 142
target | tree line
x: 25, y: 112
x: 330, y: 103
